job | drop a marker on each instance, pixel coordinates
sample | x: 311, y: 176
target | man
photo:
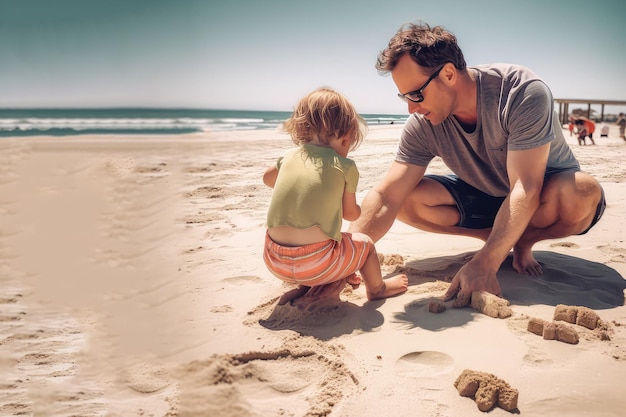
x: 517, y: 181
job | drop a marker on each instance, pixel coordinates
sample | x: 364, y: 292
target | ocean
x: 70, y: 122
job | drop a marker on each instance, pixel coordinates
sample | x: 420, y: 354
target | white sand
x: 133, y: 285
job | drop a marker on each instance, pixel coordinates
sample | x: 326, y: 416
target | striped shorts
x: 318, y: 263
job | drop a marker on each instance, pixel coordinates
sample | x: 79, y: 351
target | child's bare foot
x: 391, y: 286
x: 354, y: 280
x: 293, y: 294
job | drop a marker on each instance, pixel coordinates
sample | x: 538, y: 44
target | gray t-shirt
x: 515, y: 112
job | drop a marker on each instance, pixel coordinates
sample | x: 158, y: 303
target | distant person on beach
x: 590, y: 126
x: 515, y: 180
x: 621, y: 122
x: 314, y: 189
x: 581, y: 131
x: 584, y: 129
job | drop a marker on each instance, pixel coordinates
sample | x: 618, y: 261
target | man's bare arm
x: 526, y: 171
x: 381, y: 205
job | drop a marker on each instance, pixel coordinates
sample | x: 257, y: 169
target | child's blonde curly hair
x: 325, y: 114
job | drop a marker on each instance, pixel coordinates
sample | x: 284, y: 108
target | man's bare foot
x: 525, y: 263
x: 391, y: 286
x: 293, y: 294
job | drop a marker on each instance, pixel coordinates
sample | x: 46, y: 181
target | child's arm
x: 269, y: 177
x: 351, y: 210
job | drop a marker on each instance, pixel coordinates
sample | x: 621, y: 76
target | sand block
x: 507, y: 398
x: 549, y: 331
x: 567, y: 334
x: 436, y: 307
x: 587, y: 318
x: 491, y: 305
x: 561, y: 332
x: 467, y: 383
x: 487, y: 390
x: 486, y: 397
x: 582, y: 316
x: 536, y: 326
x: 566, y: 313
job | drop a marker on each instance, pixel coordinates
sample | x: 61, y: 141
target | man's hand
x: 472, y: 277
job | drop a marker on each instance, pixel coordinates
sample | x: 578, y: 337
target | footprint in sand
x: 564, y: 245
x: 427, y: 364
x: 243, y: 280
x: 146, y: 378
x: 617, y: 254
x: 225, y: 308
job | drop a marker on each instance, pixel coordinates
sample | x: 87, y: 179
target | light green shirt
x: 309, y: 189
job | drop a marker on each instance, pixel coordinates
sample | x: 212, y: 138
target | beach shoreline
x: 133, y: 285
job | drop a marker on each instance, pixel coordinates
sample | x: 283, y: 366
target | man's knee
x: 420, y: 209
x: 577, y: 197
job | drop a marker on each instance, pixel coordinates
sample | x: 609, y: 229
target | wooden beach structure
x: 565, y: 102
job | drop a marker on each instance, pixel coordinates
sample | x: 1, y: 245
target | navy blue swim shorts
x: 478, y: 210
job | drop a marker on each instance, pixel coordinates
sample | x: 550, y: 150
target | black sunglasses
x: 416, y: 96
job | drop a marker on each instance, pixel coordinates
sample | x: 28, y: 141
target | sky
x: 267, y: 54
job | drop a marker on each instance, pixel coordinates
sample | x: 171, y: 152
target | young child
x: 314, y: 189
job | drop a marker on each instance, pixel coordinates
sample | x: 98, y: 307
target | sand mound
x: 303, y: 377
